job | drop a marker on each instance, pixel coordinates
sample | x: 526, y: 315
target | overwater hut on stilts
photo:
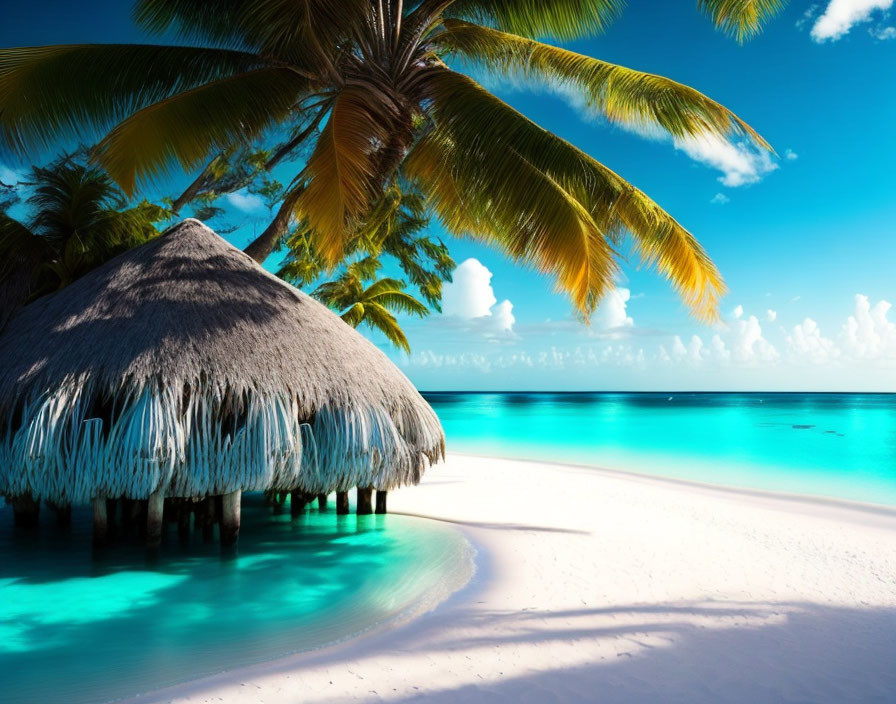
x: 182, y: 371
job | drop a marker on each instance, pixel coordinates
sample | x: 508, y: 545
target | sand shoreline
x: 603, y: 585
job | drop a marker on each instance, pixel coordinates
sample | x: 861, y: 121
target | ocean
x: 832, y: 445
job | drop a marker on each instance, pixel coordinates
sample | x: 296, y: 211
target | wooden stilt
x: 208, y: 526
x: 381, y: 501
x: 138, y: 515
x: 183, y: 521
x: 111, y: 524
x: 230, y: 517
x: 100, y: 521
x: 155, y: 509
x: 126, y: 513
x: 364, y: 506
x: 26, y: 511
x: 341, y: 503
x: 297, y: 501
x: 63, y: 514
x: 321, y: 502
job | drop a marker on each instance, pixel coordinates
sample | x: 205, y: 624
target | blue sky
x: 804, y: 239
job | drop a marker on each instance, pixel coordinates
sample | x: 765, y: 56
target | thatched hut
x: 183, y: 369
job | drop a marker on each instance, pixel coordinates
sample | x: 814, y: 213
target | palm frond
x: 186, y: 128
x: 52, y: 93
x: 493, y: 173
x: 378, y: 318
x: 354, y: 314
x: 341, y: 173
x: 293, y: 30
x: 621, y: 94
x: 363, y: 269
x: 397, y: 301
x: 742, y: 19
x: 557, y: 19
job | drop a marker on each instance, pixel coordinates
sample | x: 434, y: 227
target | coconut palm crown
x: 368, y: 89
x: 374, y: 304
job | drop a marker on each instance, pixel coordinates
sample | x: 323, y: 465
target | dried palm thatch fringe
x: 185, y: 366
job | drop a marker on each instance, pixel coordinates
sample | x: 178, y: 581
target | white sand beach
x: 607, y: 587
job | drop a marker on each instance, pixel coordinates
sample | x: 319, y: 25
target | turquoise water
x: 836, y: 445
x: 82, y: 627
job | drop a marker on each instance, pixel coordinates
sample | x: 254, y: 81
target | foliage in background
x: 391, y: 231
x: 372, y: 305
x: 361, y: 92
x: 79, y: 220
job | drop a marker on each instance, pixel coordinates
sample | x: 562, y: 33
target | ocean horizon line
x: 659, y: 391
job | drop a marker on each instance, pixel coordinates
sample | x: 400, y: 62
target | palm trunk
x: 262, y: 246
x: 193, y: 189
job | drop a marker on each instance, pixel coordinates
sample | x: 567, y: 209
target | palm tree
x: 80, y: 220
x: 391, y: 230
x: 368, y: 89
x: 374, y: 304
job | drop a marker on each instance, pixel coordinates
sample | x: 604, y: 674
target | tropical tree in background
x: 80, y: 219
x: 364, y: 93
x: 391, y: 231
x: 373, y: 305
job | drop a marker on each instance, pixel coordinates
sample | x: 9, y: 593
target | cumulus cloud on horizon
x: 470, y: 298
x: 866, y: 337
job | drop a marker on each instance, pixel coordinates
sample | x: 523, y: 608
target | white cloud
x: 883, y: 33
x: 8, y: 176
x: 246, y: 202
x: 470, y: 299
x: 502, y: 316
x: 748, y: 346
x: 791, y: 155
x: 865, y: 343
x: 810, y: 14
x: 611, y: 314
x: 741, y: 342
x: 719, y: 199
x: 470, y: 293
x: 806, y: 343
x: 840, y: 16
x: 868, y: 334
x: 741, y: 163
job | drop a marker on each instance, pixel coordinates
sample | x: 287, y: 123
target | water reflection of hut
x: 183, y: 370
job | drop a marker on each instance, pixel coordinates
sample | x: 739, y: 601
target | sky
x: 805, y: 237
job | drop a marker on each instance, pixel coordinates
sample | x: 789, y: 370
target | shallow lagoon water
x: 84, y: 626
x: 834, y: 445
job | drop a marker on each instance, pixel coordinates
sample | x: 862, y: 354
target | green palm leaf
x: 378, y: 318
x: 291, y: 30
x: 621, y: 94
x: 398, y: 301
x: 493, y: 173
x: 186, y: 128
x: 557, y: 19
x: 52, y: 93
x: 741, y: 19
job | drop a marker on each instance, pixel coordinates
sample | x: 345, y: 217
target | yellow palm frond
x: 556, y: 19
x: 622, y: 94
x: 341, y: 172
x: 189, y: 126
x: 741, y: 19
x: 494, y: 174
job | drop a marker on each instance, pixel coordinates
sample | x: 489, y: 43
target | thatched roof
x: 184, y: 364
